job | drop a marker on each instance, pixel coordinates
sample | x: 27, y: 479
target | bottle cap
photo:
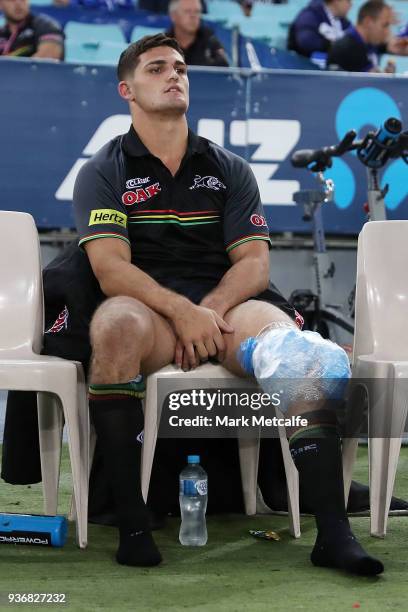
x: 193, y: 459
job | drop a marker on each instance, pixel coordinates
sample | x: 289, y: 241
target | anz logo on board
x: 275, y: 139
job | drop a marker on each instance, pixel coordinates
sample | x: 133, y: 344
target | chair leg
x: 383, y: 454
x: 92, y: 443
x: 355, y: 410
x: 50, y: 423
x: 385, y: 431
x: 249, y: 459
x: 76, y: 418
x: 292, y: 483
x: 349, y: 451
x: 151, y: 419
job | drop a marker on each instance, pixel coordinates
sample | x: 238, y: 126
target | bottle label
x: 201, y: 486
x: 193, y: 487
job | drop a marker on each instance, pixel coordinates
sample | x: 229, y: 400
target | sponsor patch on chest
x: 140, y: 194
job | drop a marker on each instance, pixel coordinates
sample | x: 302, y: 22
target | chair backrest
x: 381, y: 321
x: 139, y: 31
x: 107, y: 53
x: 94, y: 32
x: 21, y: 294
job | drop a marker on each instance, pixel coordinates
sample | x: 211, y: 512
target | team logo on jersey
x: 141, y: 194
x: 258, y: 220
x: 61, y: 322
x: 135, y: 182
x: 299, y: 320
x: 209, y: 182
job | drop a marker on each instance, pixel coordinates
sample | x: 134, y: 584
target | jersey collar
x: 134, y: 147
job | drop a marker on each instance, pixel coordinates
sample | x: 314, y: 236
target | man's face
x: 159, y: 83
x: 378, y: 29
x: 187, y: 16
x: 15, y: 10
x: 340, y: 8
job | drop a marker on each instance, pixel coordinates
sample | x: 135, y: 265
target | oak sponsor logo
x: 141, y: 194
x: 107, y: 216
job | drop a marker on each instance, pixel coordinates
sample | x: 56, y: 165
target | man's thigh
x: 163, y: 346
x: 248, y: 319
x: 141, y: 334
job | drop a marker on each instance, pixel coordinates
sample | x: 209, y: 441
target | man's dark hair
x: 372, y: 9
x: 129, y: 58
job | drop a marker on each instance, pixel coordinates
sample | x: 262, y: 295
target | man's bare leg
x: 316, y: 453
x: 127, y: 338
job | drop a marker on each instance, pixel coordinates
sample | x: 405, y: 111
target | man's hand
x: 199, y: 335
x: 398, y: 45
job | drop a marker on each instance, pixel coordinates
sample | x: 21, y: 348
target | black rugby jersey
x: 180, y: 229
x: 33, y: 31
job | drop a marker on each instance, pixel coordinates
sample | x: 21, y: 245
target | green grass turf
x: 233, y: 572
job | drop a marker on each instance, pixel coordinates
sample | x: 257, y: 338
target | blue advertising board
x: 54, y: 117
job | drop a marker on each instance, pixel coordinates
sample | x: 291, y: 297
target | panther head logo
x: 210, y: 182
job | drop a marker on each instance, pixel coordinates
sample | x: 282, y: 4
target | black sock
x: 321, y: 474
x: 117, y: 415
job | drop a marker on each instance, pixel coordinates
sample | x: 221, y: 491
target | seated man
x: 318, y: 26
x: 198, y: 42
x: 28, y: 35
x: 170, y: 224
x: 360, y: 48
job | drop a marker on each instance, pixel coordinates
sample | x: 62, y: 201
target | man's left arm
x: 50, y: 39
x: 246, y: 237
x: 247, y: 277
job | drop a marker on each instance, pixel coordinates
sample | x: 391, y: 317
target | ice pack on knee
x: 321, y: 367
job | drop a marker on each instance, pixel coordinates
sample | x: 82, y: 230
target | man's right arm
x: 110, y: 259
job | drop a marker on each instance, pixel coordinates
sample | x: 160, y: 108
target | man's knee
x: 309, y: 367
x: 121, y: 324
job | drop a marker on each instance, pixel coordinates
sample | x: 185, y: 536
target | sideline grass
x: 233, y: 572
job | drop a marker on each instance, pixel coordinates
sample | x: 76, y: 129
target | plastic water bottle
x: 193, y: 503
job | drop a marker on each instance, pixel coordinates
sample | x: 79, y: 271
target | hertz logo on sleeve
x: 106, y: 216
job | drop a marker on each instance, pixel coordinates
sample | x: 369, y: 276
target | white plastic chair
x: 380, y: 359
x: 94, y: 32
x: 60, y: 383
x: 207, y: 375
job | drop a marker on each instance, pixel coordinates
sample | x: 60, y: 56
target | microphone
x: 377, y: 146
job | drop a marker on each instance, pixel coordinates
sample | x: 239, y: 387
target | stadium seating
x: 139, y: 31
x: 94, y: 32
x: 98, y: 52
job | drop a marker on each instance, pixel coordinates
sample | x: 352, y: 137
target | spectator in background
x: 199, y: 44
x: 161, y: 6
x: 28, y: 35
x: 361, y: 46
x: 318, y: 26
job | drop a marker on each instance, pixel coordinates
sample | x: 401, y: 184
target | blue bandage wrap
x: 321, y: 367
